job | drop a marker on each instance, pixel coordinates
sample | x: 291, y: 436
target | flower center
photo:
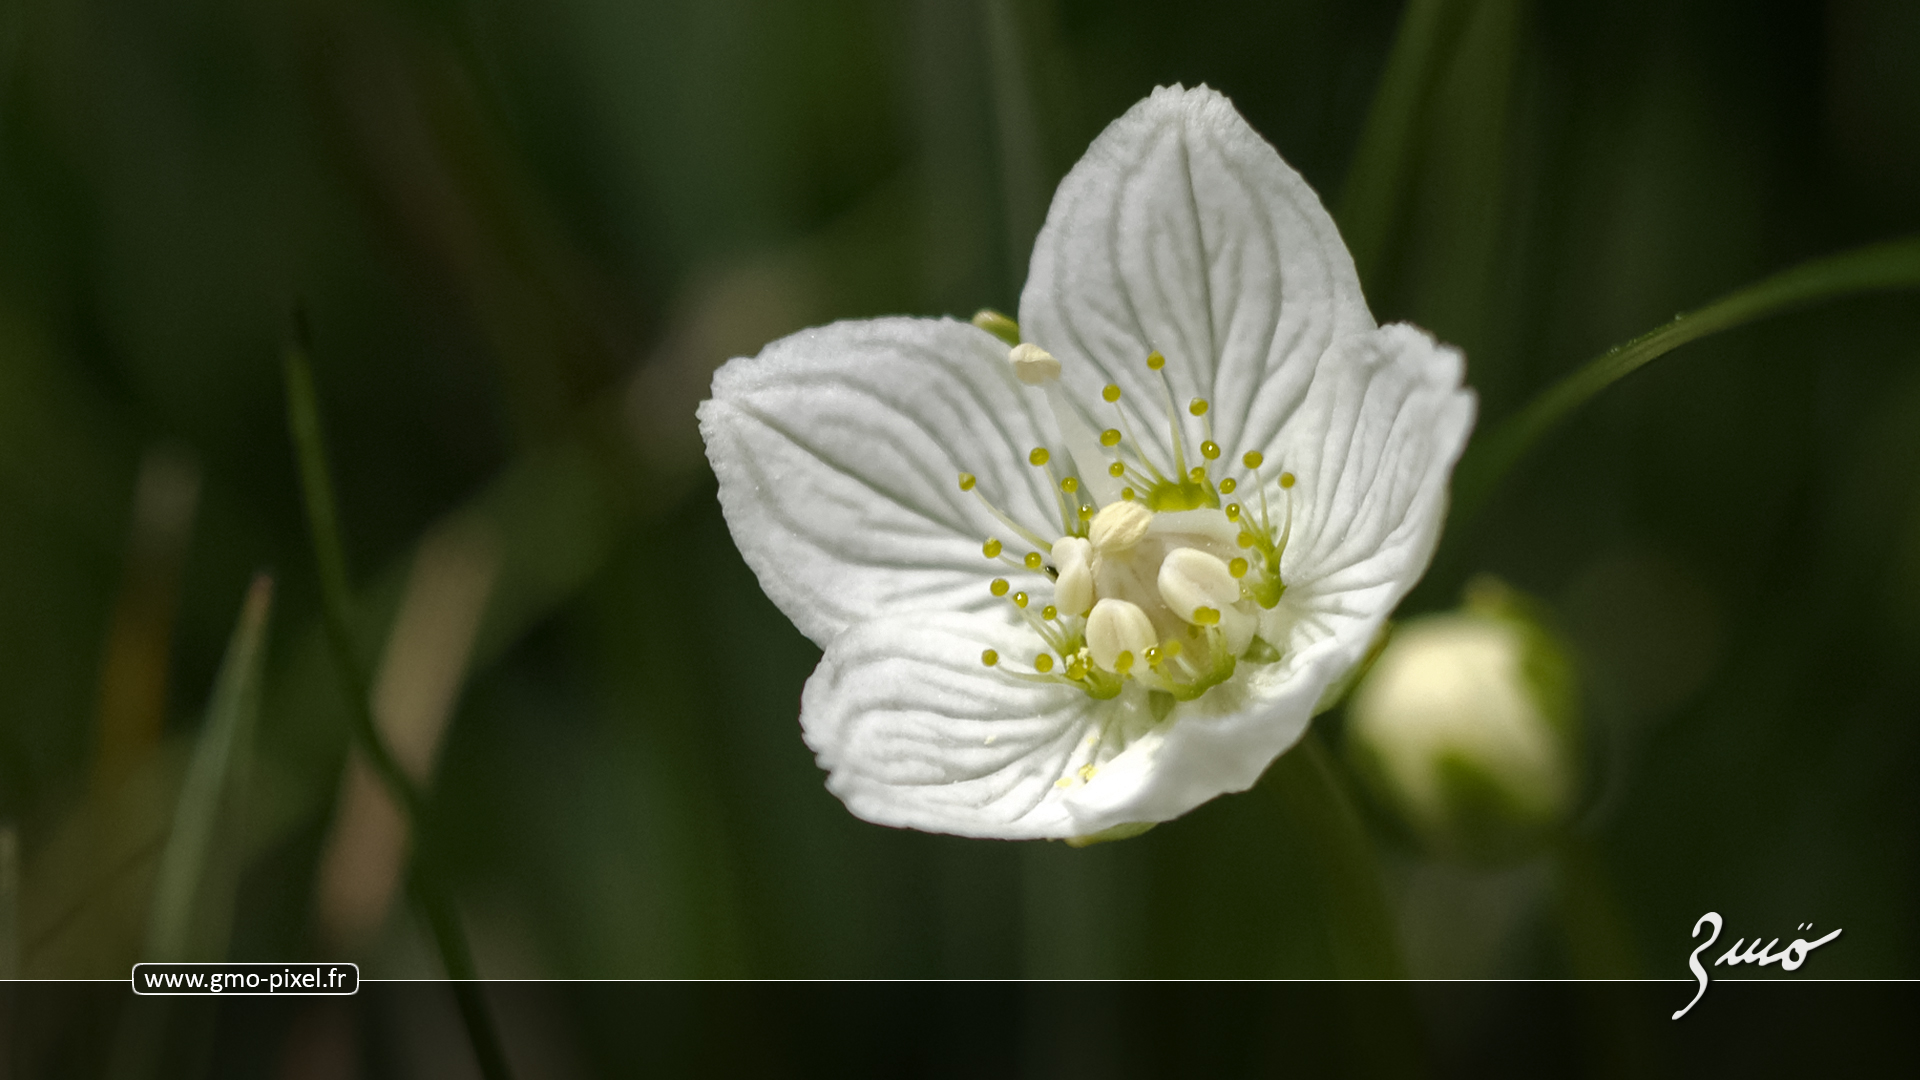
x: 1154, y: 581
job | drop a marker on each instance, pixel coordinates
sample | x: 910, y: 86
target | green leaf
x: 1894, y: 264
x: 199, y: 869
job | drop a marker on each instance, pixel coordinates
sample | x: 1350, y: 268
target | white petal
x: 838, y: 451
x: 1372, y: 447
x: 915, y: 731
x: 1181, y: 230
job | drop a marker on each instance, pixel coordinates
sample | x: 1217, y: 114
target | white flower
x: 1186, y: 503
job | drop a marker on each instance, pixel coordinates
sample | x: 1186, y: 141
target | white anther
x: 1116, y: 626
x: 1033, y: 365
x: 1073, y: 589
x: 1191, y: 579
x: 1119, y: 526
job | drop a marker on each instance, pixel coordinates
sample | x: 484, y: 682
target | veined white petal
x: 915, y: 731
x: 1372, y: 447
x: 1182, y: 231
x: 838, y: 451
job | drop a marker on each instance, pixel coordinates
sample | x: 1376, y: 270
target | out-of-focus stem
x: 303, y: 422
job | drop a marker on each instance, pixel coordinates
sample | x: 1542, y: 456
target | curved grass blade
x: 1894, y: 264
x: 200, y: 866
x: 1375, y: 194
x: 323, y: 522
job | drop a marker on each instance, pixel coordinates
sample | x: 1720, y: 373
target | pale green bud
x: 1465, y: 725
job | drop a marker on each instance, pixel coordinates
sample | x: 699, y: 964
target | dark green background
x: 501, y: 218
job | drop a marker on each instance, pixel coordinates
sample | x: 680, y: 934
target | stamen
x: 967, y: 484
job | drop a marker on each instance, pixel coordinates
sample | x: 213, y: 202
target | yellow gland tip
x: 1198, y: 406
x: 1070, y: 484
x: 989, y: 658
x: 1049, y: 613
x: 1038, y: 457
x: 1116, y: 470
x: 1126, y: 494
x: 1076, y: 669
x: 1032, y: 560
x: 1086, y: 513
x: 1153, y: 655
x: 1197, y: 474
x: 1252, y: 459
x: 1112, y: 392
x: 1245, y: 539
x: 966, y: 481
x: 1227, y: 486
x: 1233, y: 511
x: 1206, y: 616
x: 1209, y: 449
x: 1086, y: 771
x: 1110, y: 437
x: 1043, y: 663
x: 1155, y: 361
x: 999, y: 586
x: 1124, y: 662
x: 1170, y: 650
x: 991, y: 549
x: 1019, y: 599
x: 1238, y: 568
x: 1286, y: 480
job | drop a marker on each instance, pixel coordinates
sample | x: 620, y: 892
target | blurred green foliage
x: 525, y: 234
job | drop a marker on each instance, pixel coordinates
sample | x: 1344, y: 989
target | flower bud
x: 1464, y: 725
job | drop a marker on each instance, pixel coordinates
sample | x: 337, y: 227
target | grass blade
x: 323, y: 523
x: 1894, y: 264
x: 199, y: 868
x: 1374, y: 197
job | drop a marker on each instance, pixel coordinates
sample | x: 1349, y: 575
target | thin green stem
x: 1894, y: 264
x: 1374, y: 197
x: 1360, y: 926
x: 323, y: 522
